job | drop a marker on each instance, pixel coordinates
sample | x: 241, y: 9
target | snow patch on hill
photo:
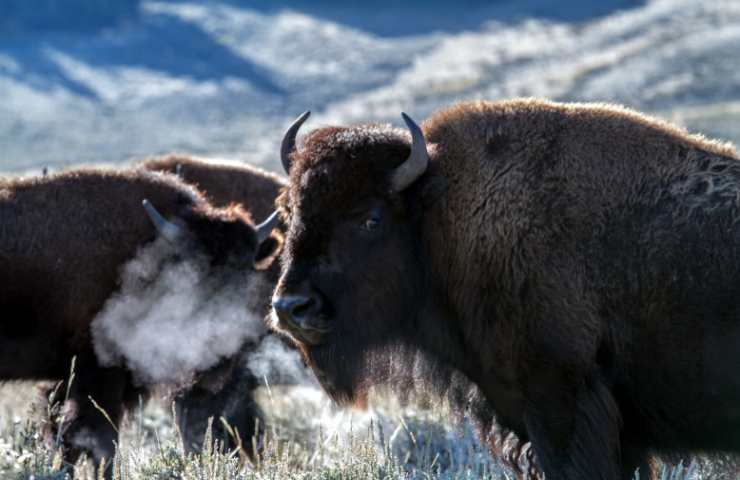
x: 226, y: 78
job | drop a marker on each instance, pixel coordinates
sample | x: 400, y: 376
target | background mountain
x: 98, y: 81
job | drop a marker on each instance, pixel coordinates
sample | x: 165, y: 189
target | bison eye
x: 371, y: 223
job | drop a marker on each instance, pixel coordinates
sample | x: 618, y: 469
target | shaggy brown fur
x: 63, y: 241
x: 224, y: 183
x: 578, y: 263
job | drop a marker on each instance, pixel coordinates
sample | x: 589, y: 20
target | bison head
x: 352, y: 290
x: 224, y: 236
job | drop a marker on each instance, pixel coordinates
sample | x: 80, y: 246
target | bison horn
x: 417, y: 161
x: 178, y: 171
x: 167, y: 229
x: 264, y: 228
x: 288, y: 145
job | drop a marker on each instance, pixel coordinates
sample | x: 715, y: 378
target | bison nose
x: 297, y: 311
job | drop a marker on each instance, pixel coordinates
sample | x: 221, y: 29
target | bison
x: 64, y: 241
x: 224, y: 183
x: 579, y: 263
x: 228, y: 390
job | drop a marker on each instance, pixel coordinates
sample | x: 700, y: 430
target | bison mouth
x: 311, y: 333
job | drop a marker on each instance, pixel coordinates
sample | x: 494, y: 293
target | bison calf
x: 232, y: 396
x: 580, y: 264
x: 64, y: 240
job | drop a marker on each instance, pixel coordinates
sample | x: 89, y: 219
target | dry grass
x: 308, y: 439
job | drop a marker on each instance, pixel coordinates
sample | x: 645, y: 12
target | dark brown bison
x: 224, y: 183
x: 228, y: 390
x: 64, y: 241
x: 580, y: 264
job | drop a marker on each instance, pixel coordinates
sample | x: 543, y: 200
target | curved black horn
x: 288, y: 145
x: 167, y: 229
x: 264, y: 228
x: 417, y: 161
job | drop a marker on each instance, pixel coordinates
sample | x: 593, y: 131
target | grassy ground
x: 308, y: 438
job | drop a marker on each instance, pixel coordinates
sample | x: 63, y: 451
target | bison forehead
x: 327, y: 143
x: 339, y: 166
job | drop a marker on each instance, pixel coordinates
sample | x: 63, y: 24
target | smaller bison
x: 228, y: 390
x: 64, y: 241
x: 580, y: 264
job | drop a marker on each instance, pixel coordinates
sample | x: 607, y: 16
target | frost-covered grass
x: 307, y: 439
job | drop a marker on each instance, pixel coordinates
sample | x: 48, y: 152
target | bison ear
x: 267, y: 251
x: 431, y: 186
x: 432, y: 189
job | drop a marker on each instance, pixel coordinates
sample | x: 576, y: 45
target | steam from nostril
x: 173, y: 318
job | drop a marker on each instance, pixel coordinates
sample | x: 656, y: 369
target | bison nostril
x: 296, y: 310
x: 304, y: 309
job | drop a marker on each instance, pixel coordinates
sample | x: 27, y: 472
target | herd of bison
x: 575, y: 268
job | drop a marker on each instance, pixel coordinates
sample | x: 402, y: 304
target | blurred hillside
x: 40, y: 15
x: 103, y: 81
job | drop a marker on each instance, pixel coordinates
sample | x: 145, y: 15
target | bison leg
x: 574, y: 430
x: 92, y: 412
x: 636, y: 457
x: 234, y: 402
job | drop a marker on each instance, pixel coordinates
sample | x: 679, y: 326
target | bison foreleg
x: 574, y: 430
x: 93, y: 410
x: 235, y: 403
x: 636, y: 457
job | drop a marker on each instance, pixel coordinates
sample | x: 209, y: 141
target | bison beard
x: 577, y: 263
x: 350, y: 377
